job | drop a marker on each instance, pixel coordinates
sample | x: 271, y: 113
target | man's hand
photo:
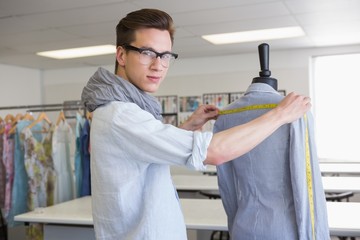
x: 293, y: 106
x: 201, y: 115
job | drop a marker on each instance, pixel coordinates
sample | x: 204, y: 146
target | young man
x: 131, y: 149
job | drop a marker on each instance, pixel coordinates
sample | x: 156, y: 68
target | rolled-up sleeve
x: 201, y: 144
x: 141, y: 137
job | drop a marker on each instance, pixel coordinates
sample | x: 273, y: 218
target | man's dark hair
x: 140, y: 19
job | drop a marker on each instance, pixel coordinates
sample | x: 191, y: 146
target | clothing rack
x: 61, y: 106
x: 65, y: 106
x: 43, y: 106
x: 50, y: 109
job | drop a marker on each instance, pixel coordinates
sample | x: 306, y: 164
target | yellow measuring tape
x: 309, y: 177
x: 307, y: 154
x: 247, y: 108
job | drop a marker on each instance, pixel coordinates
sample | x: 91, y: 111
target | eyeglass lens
x: 148, y: 56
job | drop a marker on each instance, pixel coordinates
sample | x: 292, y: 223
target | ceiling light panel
x: 79, y: 52
x: 255, y: 35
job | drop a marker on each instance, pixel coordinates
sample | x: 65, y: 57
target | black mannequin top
x: 268, y: 80
x: 264, y: 63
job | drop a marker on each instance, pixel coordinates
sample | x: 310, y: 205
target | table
x: 340, y: 168
x: 210, y: 170
x: 344, y: 217
x: 341, y: 184
x: 195, y: 183
x: 73, y: 218
x: 74, y: 212
x: 70, y: 220
x: 210, y: 183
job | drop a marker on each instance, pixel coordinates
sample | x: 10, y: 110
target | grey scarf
x: 104, y: 87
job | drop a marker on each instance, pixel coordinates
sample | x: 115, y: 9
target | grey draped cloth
x: 104, y: 87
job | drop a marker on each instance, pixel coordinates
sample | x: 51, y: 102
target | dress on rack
x: 2, y: 170
x: 20, y: 185
x: 8, y: 161
x: 62, y: 141
x: 41, y: 176
x: 40, y: 169
x: 77, y: 158
x: 85, y: 159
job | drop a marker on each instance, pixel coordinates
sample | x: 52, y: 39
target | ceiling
x: 29, y: 26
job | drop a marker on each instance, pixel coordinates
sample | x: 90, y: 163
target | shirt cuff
x: 199, y: 154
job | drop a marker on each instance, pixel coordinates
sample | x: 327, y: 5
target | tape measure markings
x: 309, y: 177
x: 247, y: 108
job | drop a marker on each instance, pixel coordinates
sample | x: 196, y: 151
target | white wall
x: 187, y: 77
x: 19, y: 86
x: 196, y: 76
x: 65, y: 84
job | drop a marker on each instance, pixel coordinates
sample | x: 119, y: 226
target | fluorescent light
x: 79, y: 52
x: 255, y: 35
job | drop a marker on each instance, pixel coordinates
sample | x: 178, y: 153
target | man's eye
x: 148, y: 53
x: 166, y: 56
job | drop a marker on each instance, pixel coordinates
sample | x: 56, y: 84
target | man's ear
x: 120, y: 56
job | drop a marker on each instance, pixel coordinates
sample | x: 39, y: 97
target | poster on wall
x: 220, y: 100
x: 189, y: 104
x: 168, y: 103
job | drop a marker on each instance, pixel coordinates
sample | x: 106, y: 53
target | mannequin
x: 265, y: 73
x: 268, y: 187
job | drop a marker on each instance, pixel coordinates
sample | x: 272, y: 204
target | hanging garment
x: 8, y: 161
x: 85, y: 159
x: 40, y: 169
x: 77, y: 157
x: 2, y: 170
x: 20, y: 185
x: 61, y: 155
x: 264, y: 191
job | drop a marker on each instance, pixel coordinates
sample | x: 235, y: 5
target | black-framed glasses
x: 148, y: 56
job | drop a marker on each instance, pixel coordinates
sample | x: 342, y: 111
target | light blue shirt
x: 133, y: 195
x: 264, y: 192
